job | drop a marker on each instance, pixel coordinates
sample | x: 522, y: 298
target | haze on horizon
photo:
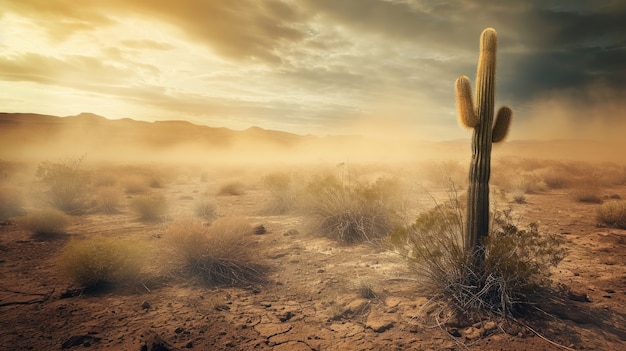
x: 376, y: 67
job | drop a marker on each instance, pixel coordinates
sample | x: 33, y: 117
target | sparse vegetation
x: 516, y: 267
x: 108, y: 199
x: 587, y: 190
x: 98, y: 261
x: 612, y: 214
x: 219, y: 254
x: 136, y: 184
x: 149, y: 206
x: 234, y: 188
x: 205, y: 208
x: 45, y: 224
x: 282, y: 193
x: 353, y: 213
x: 11, y: 202
x: 63, y: 185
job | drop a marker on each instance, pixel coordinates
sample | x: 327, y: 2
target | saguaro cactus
x: 478, y: 115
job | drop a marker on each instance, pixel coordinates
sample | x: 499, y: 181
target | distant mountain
x: 155, y: 134
x: 36, y: 137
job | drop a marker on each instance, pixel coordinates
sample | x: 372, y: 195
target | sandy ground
x: 312, y: 298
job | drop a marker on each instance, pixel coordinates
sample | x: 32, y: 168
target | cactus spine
x: 478, y: 114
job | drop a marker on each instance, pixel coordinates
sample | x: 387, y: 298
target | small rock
x: 291, y: 232
x: 379, y: 322
x: 454, y: 332
x: 152, y: 342
x: 76, y: 340
x: 490, y: 325
x: 260, y: 229
x: 145, y: 305
x: 287, y: 316
x: 179, y: 330
x: 471, y: 333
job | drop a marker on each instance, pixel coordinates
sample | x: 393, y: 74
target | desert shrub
x: 205, y: 208
x: 219, y: 254
x: 527, y: 183
x: 282, y: 193
x: 63, y: 185
x: 105, y: 178
x: 108, y: 199
x: 555, y: 177
x: 99, y: 261
x: 587, y: 189
x: 516, y: 267
x: 612, y: 214
x: 46, y: 223
x: 149, y: 206
x: 353, y: 213
x: 136, y: 184
x: 440, y: 174
x: 10, y: 202
x: 234, y: 188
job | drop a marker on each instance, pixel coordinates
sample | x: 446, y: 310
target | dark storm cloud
x: 567, y: 49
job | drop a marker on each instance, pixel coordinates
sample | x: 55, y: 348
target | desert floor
x: 312, y: 299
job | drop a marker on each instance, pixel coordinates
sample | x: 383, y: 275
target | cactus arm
x: 502, y: 124
x: 464, y: 103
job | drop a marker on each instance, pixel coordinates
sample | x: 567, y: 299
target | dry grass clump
x: 11, y: 202
x: 588, y: 190
x: 219, y: 254
x: 555, y: 177
x: 150, y: 206
x: 516, y: 268
x: 45, y: 224
x: 283, y: 197
x: 234, y: 188
x: 63, y: 185
x: 353, y: 213
x: 612, y: 214
x: 205, y: 208
x: 100, y: 261
x: 136, y: 184
x: 108, y: 199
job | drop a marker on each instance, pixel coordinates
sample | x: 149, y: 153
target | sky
x: 384, y: 68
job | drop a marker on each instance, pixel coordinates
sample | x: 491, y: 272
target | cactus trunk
x: 479, y: 115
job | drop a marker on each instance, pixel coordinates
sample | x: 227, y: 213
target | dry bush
x: 205, y: 208
x: 150, y: 206
x: 99, y: 261
x: 103, y: 178
x: 610, y: 174
x: 441, y: 174
x: 45, y: 224
x: 136, y: 184
x: 587, y: 190
x: 219, y: 254
x: 555, y: 177
x: 527, y: 183
x: 63, y: 185
x: 11, y: 202
x: 353, y: 213
x: 108, y: 199
x: 234, y: 188
x: 283, y: 198
x: 612, y: 214
x: 516, y: 269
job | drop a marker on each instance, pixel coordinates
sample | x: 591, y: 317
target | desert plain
x: 313, y: 292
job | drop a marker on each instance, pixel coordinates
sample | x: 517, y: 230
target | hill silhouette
x: 28, y: 136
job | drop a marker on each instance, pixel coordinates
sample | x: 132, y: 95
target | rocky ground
x: 319, y: 295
